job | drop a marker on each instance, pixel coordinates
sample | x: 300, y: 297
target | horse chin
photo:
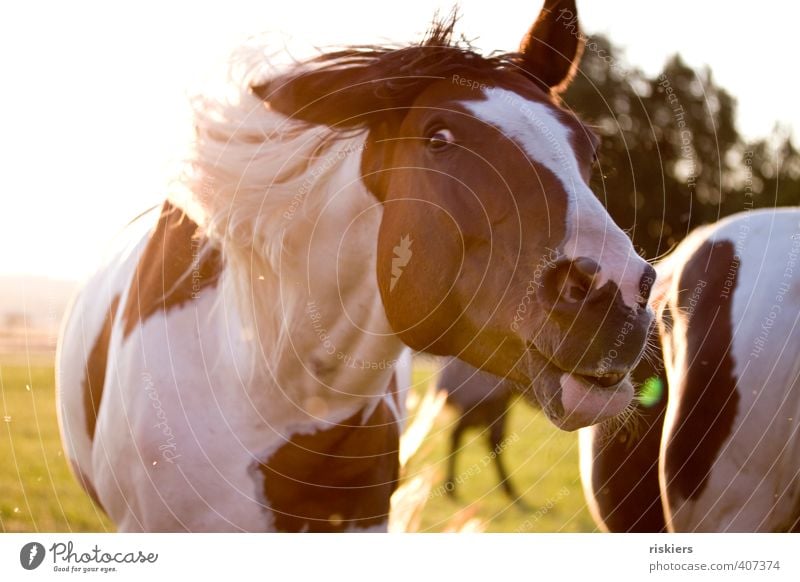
x: 572, y: 401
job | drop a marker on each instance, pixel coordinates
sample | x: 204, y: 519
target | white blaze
x: 590, y: 231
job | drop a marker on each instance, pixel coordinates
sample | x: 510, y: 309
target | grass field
x: 38, y: 492
x: 542, y: 462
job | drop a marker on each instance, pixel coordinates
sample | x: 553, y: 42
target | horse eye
x: 440, y: 139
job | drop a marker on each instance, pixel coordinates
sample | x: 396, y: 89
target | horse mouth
x: 587, y: 400
x: 604, y: 381
x: 573, y: 400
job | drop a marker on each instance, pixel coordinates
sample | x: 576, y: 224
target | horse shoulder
x: 84, y: 351
x: 731, y: 394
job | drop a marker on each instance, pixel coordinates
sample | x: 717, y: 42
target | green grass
x: 37, y: 490
x: 542, y: 462
x: 39, y: 493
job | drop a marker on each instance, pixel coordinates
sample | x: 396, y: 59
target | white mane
x: 256, y: 181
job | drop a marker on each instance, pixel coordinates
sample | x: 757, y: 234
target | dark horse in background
x: 481, y: 401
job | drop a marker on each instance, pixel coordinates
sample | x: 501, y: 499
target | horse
x: 234, y: 365
x: 728, y: 303
x: 619, y: 465
x: 480, y: 400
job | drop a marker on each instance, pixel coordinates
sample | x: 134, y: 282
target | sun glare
x: 94, y: 128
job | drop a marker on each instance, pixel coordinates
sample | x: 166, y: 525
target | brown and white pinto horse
x: 728, y: 303
x: 234, y: 366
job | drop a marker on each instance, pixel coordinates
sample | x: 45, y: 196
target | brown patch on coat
x: 176, y: 265
x: 625, y: 467
x: 707, y: 396
x: 86, y: 484
x: 335, y: 479
x: 96, y: 365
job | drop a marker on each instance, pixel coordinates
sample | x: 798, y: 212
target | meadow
x: 542, y: 463
x: 38, y: 492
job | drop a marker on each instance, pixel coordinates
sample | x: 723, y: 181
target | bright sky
x: 93, y: 101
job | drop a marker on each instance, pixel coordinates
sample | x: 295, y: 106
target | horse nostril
x: 646, y: 285
x: 586, y: 268
x: 577, y: 278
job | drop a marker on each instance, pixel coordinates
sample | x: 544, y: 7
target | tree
x: 671, y: 157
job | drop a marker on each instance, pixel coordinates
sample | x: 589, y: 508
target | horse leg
x: 455, y: 443
x: 496, y: 436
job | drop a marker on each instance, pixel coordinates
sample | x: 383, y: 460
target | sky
x: 94, y: 100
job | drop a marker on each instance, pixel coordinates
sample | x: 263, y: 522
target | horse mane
x: 389, y: 77
x: 256, y: 177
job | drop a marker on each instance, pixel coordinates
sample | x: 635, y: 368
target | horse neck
x: 318, y: 336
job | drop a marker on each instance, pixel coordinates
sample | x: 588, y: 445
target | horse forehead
x: 534, y: 125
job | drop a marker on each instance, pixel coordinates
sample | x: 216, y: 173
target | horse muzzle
x: 572, y: 400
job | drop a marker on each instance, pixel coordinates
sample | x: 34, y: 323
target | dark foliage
x: 672, y: 158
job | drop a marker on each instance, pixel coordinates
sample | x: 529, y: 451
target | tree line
x: 671, y: 157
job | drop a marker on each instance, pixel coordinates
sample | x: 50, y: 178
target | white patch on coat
x: 753, y: 483
x: 233, y: 370
x: 590, y: 230
x: 586, y: 438
x: 85, y: 320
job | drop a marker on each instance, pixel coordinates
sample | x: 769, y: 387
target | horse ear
x: 552, y: 48
x: 332, y: 97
